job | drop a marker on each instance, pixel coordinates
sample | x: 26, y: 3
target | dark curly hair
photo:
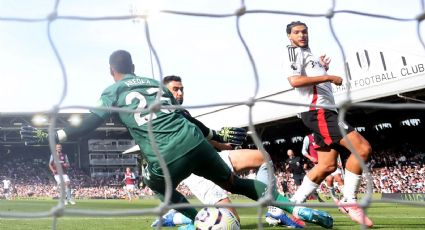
x: 292, y: 24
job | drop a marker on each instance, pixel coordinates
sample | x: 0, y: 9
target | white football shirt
x: 303, y: 63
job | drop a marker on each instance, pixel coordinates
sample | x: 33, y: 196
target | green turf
x: 385, y: 216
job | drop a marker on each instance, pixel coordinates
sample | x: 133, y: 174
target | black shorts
x: 324, y: 125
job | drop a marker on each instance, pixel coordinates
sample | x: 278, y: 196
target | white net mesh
x: 58, y: 16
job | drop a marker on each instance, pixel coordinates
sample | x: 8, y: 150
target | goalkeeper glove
x: 232, y: 135
x: 33, y: 136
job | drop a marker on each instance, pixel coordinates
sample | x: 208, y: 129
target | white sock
x: 351, y: 186
x: 305, y: 189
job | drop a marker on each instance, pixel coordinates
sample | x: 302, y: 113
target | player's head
x: 128, y: 169
x: 58, y: 148
x: 175, y: 85
x: 297, y: 33
x: 290, y: 153
x: 120, y: 62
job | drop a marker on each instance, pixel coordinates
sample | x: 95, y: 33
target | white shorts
x: 129, y: 187
x: 336, y: 172
x: 65, y: 178
x: 205, y: 190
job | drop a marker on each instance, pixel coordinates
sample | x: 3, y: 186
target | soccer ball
x: 216, y: 219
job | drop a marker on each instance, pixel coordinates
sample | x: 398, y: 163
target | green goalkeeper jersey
x: 174, y: 134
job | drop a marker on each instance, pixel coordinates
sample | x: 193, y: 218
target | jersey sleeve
x: 89, y: 124
x: 204, y: 129
x: 306, y: 143
x: 94, y: 120
x: 295, y: 61
x: 106, y: 100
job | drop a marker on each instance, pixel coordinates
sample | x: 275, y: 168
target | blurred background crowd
x: 391, y: 172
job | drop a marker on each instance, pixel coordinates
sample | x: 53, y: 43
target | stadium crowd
x: 31, y: 178
x: 392, y: 172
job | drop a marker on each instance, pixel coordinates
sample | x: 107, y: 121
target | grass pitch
x: 385, y: 216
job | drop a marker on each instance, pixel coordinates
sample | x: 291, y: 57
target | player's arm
x: 231, y: 135
x: 297, y: 64
x: 33, y: 136
x: 312, y: 159
x: 87, y: 125
x: 300, y: 80
x: 51, y: 165
x: 304, y: 150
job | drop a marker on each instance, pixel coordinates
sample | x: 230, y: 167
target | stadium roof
x: 401, y: 80
x: 10, y: 125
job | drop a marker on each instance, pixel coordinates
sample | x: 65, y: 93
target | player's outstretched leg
x: 255, y: 189
x: 217, y: 171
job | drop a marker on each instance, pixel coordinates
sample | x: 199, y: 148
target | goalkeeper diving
x: 180, y: 140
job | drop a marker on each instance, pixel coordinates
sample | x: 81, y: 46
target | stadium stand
x: 392, y: 172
